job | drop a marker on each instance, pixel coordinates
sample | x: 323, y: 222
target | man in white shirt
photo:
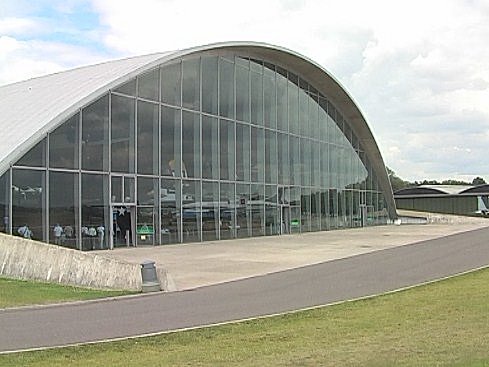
x: 58, y: 231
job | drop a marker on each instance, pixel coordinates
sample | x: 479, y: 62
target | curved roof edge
x: 30, y: 110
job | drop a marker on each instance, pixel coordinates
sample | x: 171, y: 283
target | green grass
x: 20, y: 293
x: 441, y: 324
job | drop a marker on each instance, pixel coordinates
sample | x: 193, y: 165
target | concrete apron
x: 195, y: 265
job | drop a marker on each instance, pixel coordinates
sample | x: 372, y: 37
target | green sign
x: 294, y: 223
x: 145, y: 229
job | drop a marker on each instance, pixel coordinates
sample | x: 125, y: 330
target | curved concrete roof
x: 32, y: 108
x: 433, y: 190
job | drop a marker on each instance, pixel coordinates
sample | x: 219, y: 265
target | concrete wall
x: 26, y: 259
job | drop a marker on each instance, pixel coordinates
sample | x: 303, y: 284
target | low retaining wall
x: 26, y: 259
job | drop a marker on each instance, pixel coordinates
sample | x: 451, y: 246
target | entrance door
x: 123, y: 212
x: 122, y: 226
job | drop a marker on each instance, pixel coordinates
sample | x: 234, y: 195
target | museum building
x: 222, y: 141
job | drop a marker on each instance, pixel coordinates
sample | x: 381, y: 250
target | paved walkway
x: 194, y: 265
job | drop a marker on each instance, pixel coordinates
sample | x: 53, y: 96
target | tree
x: 478, y: 181
x: 397, y: 183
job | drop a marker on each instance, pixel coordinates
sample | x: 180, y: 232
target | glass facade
x: 205, y: 148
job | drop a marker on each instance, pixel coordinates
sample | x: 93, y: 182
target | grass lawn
x: 19, y: 293
x: 441, y: 324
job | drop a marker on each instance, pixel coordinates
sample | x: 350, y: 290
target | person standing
x: 58, y: 231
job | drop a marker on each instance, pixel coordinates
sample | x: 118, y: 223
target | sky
x: 418, y: 69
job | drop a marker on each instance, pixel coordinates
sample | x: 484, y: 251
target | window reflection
x: 28, y: 204
x: 95, y: 126
x: 63, y: 209
x: 63, y: 144
x: 4, y: 202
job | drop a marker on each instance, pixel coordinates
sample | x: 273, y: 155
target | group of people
x: 61, y: 235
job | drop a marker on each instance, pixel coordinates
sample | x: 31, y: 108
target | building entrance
x: 122, y: 226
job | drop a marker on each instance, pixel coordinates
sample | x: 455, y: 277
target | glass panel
x: 303, y: 109
x: 315, y: 168
x: 191, y: 84
x: 295, y: 219
x: 191, y: 144
x: 63, y: 144
x: 348, y: 208
x: 170, y: 142
x: 256, y: 66
x: 243, y: 152
x: 147, y: 191
x: 4, y: 202
x: 282, y: 122
x: 333, y: 208
x: 210, y: 148
x: 116, y: 187
x: 227, y: 211
x: 256, y: 98
x: 35, y: 157
x: 242, y: 94
x: 333, y: 166
x: 210, y: 211
x: 226, y: 88
x: 170, y: 211
x: 271, y: 210
x: 171, y: 89
x: 323, y: 119
x: 313, y: 116
x: 29, y: 204
x: 306, y: 157
x: 295, y: 160
x: 63, y: 208
x: 122, y: 134
x: 95, y: 140
x: 148, y: 145
x: 325, y: 210
x: 129, y: 190
x: 148, y: 87
x: 128, y: 88
x: 269, y: 97
x: 227, y: 150
x: 271, y: 156
x: 295, y: 196
x: 191, y: 211
x: 243, y: 211
x: 315, y: 210
x: 257, y: 210
x: 257, y: 155
x: 341, y: 209
x: 305, y: 210
x: 243, y: 62
x: 324, y: 164
x: 95, y: 212
x: 209, y: 84
x: 146, y: 225
x: 283, y: 159
x: 293, y: 91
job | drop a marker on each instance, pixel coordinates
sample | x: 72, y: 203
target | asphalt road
x: 320, y: 284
